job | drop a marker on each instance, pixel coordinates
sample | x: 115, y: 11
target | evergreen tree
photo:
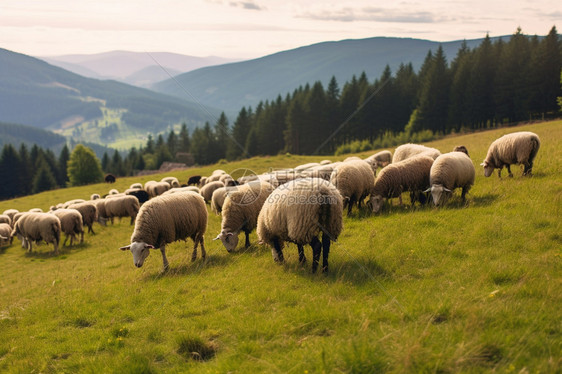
x: 84, y: 167
x: 10, y: 173
x: 406, y: 86
x: 44, y: 178
x: 349, y: 102
x: 183, y: 141
x: 149, y: 145
x: 295, y: 121
x: 64, y: 156
x: 172, y: 143
x: 200, y: 143
x: 116, y: 164
x: 240, y: 130
x: 459, y: 104
x: 480, y: 88
x: 27, y: 170
x: 105, y: 163
x: 221, y: 138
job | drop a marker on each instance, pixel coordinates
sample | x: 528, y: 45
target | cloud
x: 375, y: 14
x: 245, y: 5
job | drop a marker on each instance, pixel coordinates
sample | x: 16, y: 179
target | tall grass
x: 472, y: 288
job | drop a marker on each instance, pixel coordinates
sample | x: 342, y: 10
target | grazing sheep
x: 352, y: 158
x: 321, y: 171
x: 515, y: 148
x: 123, y: 206
x: 35, y: 210
x: 4, y: 218
x: 182, y: 189
x: 136, y: 186
x: 154, y: 188
x: 68, y: 203
x: 11, y: 213
x: 461, y: 148
x: 71, y: 224
x: 95, y: 196
x: 208, y: 189
x: 325, y: 162
x: 240, y: 212
x: 379, y: 159
x: 202, y: 182
x: 172, y: 181
x: 140, y: 194
x: 408, y: 150
x: 109, y: 178
x: 113, y: 191
x: 217, y: 199
x: 306, y: 166
x: 166, y: 219
x: 5, y: 234
x: 100, y: 208
x: 194, y: 180
x: 450, y: 171
x: 354, y: 180
x: 297, y: 212
x: 89, y: 213
x: 38, y: 226
x: 410, y: 175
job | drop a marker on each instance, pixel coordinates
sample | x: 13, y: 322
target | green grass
x: 459, y: 289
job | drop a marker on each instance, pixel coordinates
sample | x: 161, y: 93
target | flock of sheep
x: 302, y: 205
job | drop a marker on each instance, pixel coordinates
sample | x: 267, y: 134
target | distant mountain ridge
x: 136, y: 68
x: 229, y: 87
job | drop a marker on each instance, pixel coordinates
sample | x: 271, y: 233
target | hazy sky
x: 254, y: 28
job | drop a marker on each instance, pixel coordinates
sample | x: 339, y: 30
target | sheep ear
x: 218, y: 237
x: 229, y: 234
x: 125, y: 248
x: 149, y: 246
x: 483, y: 164
x: 428, y: 190
x: 446, y: 189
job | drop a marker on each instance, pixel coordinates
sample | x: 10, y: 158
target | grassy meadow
x: 472, y: 289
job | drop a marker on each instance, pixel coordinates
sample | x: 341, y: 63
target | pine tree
x: 105, y: 163
x: 64, y: 156
x: 220, y: 139
x: 9, y: 173
x: 27, y: 170
x: 480, y: 96
x: 240, y: 130
x: 459, y: 104
x: 172, y: 143
x: 44, y: 179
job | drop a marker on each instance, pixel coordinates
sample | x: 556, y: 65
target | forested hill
x: 35, y: 93
x: 232, y: 86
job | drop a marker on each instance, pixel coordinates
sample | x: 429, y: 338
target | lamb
x: 379, y: 159
x: 515, y: 148
x: 449, y: 171
x: 408, y: 150
x: 154, y: 188
x: 461, y: 148
x: 208, y: 189
x: 297, y: 212
x: 38, y: 226
x: 4, y: 218
x: 123, y: 206
x: 95, y: 196
x: 172, y: 181
x: 354, y: 180
x: 240, y: 212
x: 89, y: 213
x: 5, y: 234
x: 166, y: 219
x: 193, y: 180
x: 113, y: 191
x: 410, y: 175
x: 11, y: 213
x: 71, y: 224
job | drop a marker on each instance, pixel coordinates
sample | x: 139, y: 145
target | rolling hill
x: 232, y: 86
x: 32, y: 92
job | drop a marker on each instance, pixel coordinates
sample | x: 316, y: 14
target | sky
x: 253, y: 28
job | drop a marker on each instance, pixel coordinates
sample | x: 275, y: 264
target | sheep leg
x: 463, y: 194
x: 56, y: 247
x: 65, y: 240
x: 247, y: 244
x: 316, y: 250
x: 277, y: 252
x: 302, y: 257
x: 165, y: 263
x: 132, y: 220
x: 509, y: 171
x: 82, y: 237
x: 29, y: 245
x: 528, y: 168
x: 203, y: 253
x: 500, y: 172
x: 194, y: 253
x: 325, y: 251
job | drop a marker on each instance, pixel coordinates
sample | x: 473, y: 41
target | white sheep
x: 4, y: 218
x: 217, y: 199
x: 182, y: 189
x: 11, y: 213
x: 166, y: 219
x: 297, y: 212
x: 113, y: 191
x: 379, y: 160
x: 410, y: 175
x: 172, y: 181
x: 449, y: 171
x: 515, y: 148
x: 408, y: 150
x: 100, y: 208
x: 89, y: 213
x: 5, y: 233
x: 71, y: 224
x: 136, y: 185
x: 240, y: 212
x: 154, y: 188
x: 95, y: 196
x: 354, y: 179
x: 68, y: 203
x: 122, y: 206
x: 207, y: 190
x: 36, y: 227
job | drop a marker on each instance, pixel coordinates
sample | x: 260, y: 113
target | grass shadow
x: 190, y: 268
x: 64, y: 251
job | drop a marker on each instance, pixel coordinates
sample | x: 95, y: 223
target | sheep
x: 100, y: 208
x: 35, y: 210
x: 449, y: 171
x: 123, y: 206
x: 113, y: 191
x: 166, y: 219
x: 217, y: 199
x: 461, y: 148
x: 109, y: 178
x: 240, y: 212
x: 71, y: 224
x: 207, y: 190
x: 15, y: 218
x: 5, y: 233
x: 306, y: 166
x: 408, y: 150
x: 182, y: 189
x: 215, y: 176
x: 11, y: 213
x: 321, y: 171
x: 351, y: 158
x: 68, y: 203
x: 379, y: 159
x: 297, y: 212
x: 4, y: 218
x: 89, y: 213
x: 140, y: 194
x: 194, y: 180
x: 325, y: 162
x: 202, y: 182
x: 136, y: 186
x: 36, y: 227
x: 172, y: 181
x: 354, y: 180
x: 410, y: 175
x: 95, y: 196
x: 154, y: 188
x: 515, y: 148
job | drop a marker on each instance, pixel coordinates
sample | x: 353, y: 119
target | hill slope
x: 35, y: 93
x: 232, y: 86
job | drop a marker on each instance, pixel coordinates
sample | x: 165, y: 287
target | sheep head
x: 140, y: 251
x: 376, y: 202
x: 488, y: 169
x: 228, y: 239
x: 439, y: 194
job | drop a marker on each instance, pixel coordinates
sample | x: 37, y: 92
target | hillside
x: 35, y: 93
x: 125, y: 66
x: 232, y: 86
x: 469, y: 289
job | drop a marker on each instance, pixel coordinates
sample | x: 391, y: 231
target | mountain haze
x: 231, y: 86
